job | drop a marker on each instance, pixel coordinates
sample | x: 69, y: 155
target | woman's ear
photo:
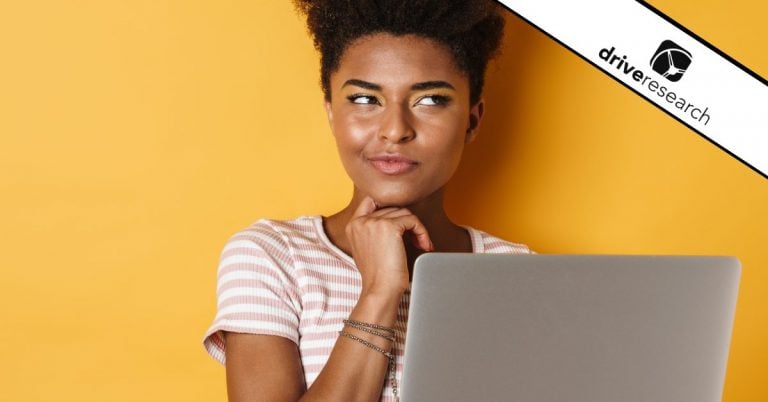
x: 475, y: 114
x: 329, y: 112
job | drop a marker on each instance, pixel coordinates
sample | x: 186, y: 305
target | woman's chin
x: 387, y: 202
x: 397, y: 199
x: 392, y: 199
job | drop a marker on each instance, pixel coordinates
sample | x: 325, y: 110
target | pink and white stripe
x: 286, y: 278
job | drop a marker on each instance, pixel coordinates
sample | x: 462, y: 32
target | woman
x: 315, y: 308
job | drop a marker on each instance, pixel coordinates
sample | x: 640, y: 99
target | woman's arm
x: 355, y: 372
x: 268, y: 368
x: 265, y: 369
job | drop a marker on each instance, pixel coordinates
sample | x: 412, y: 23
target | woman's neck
x: 445, y: 235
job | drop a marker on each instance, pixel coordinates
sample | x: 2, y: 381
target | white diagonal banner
x: 666, y: 64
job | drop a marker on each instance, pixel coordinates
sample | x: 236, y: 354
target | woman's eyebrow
x: 419, y: 86
x: 362, y: 84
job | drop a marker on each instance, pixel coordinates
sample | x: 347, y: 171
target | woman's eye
x: 363, y: 99
x: 433, y: 100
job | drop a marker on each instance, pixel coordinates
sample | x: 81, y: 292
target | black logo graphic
x: 671, y: 60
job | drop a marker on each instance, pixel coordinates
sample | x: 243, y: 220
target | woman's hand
x: 376, y: 239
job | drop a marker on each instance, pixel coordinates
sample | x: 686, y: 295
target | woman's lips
x: 393, y: 164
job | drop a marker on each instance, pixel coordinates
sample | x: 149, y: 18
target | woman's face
x: 400, y: 114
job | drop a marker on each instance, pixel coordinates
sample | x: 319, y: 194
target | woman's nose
x: 397, y: 126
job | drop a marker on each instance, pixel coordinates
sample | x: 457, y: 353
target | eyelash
x: 355, y: 97
x: 439, y: 100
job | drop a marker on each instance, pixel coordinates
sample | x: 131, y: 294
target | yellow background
x: 136, y: 136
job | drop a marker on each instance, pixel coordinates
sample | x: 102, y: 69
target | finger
x: 367, y: 205
x: 383, y: 211
x: 413, y: 224
x: 390, y: 212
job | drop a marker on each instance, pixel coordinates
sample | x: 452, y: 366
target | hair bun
x: 471, y: 29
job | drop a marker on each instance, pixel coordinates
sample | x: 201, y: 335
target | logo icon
x: 671, y: 60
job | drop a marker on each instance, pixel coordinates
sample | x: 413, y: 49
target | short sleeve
x: 486, y: 243
x: 256, y: 289
x: 503, y: 247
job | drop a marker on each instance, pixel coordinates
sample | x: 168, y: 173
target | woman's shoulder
x: 277, y: 232
x: 270, y: 244
x: 483, y: 242
x: 293, y: 240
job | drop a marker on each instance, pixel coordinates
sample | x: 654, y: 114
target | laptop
x: 576, y: 328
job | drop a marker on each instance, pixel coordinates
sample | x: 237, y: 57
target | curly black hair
x: 471, y: 29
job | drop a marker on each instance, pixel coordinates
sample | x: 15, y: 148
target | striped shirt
x: 286, y: 278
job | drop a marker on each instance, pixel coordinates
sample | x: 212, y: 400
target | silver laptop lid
x: 491, y: 327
